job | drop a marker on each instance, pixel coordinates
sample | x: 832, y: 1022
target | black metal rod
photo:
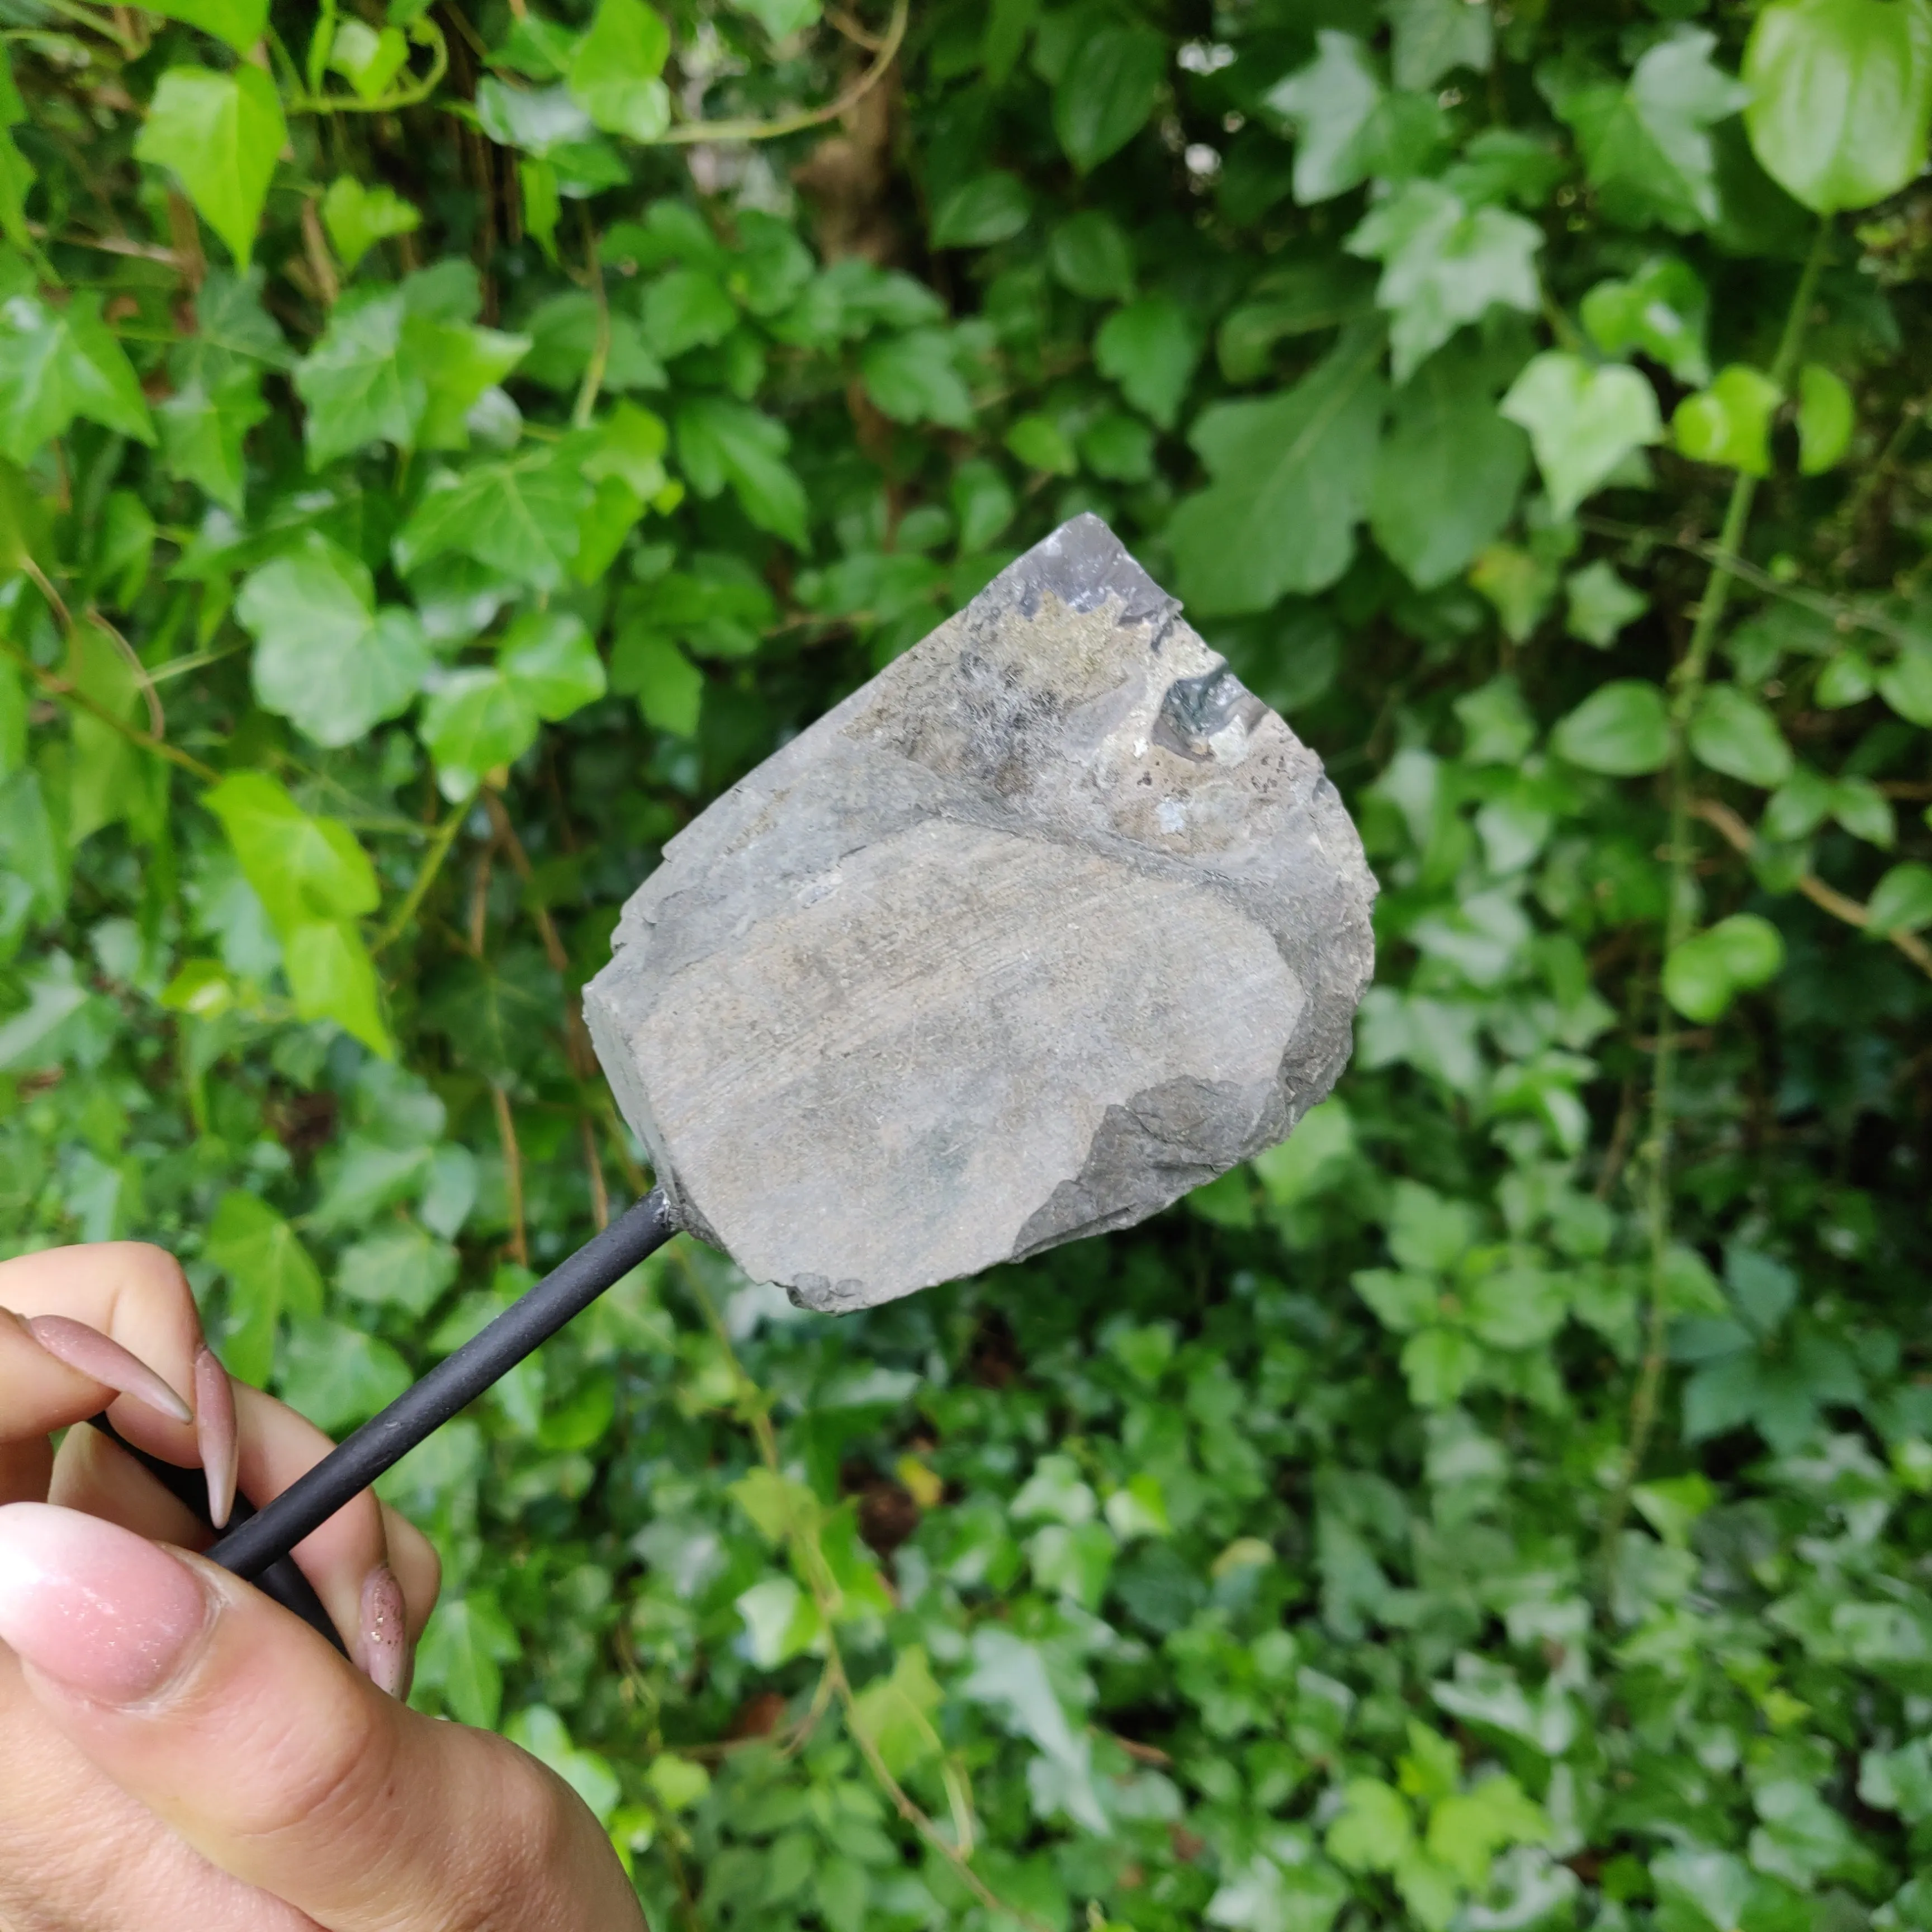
x: 282, y: 1579
x: 452, y: 1384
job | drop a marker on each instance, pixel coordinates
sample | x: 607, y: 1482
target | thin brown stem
x: 513, y: 1174
x: 1828, y: 898
x: 60, y: 689
x: 613, y: 1128
x: 321, y: 263
x: 479, y: 900
x: 157, y: 721
x: 600, y: 349
x: 554, y: 951
x: 593, y: 1168
x: 859, y: 35
x: 577, y: 1047
x: 432, y: 864
x: 1838, y: 611
x: 1619, y: 1151
x: 812, y: 117
x: 110, y: 245
x: 44, y: 584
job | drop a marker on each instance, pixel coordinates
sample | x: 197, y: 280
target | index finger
x: 130, y: 1291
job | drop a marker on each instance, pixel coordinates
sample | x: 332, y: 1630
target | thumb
x: 275, y: 1758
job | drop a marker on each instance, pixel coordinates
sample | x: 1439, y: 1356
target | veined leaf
x: 1292, y: 475
x: 221, y: 133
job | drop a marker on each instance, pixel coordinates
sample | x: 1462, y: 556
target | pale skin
x: 177, y: 1753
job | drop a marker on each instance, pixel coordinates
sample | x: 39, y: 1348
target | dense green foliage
x: 431, y: 473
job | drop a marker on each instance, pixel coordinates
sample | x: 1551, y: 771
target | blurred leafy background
x: 444, y: 447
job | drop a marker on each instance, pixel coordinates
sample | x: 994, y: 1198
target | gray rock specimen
x: 1050, y: 922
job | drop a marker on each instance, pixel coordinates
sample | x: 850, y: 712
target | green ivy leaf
x: 338, y: 1376
x: 1901, y: 901
x: 315, y: 881
x: 1301, y: 299
x: 1906, y: 683
x: 543, y: 203
x: 1373, y: 1830
x: 1661, y: 311
x: 403, y: 1267
x: 368, y: 57
x: 478, y: 720
x: 913, y: 378
x: 1089, y: 253
x: 1292, y: 475
x: 1118, y: 447
x: 1444, y: 264
x: 232, y: 331
x: 57, y: 363
x: 685, y: 309
x: 1039, y: 442
x: 1601, y: 604
x: 221, y: 134
x: 357, y: 218
x: 1433, y: 37
x: 240, y: 23
x: 1449, y: 470
x: 1348, y: 127
x: 631, y: 445
x: 475, y: 722
x: 17, y: 176
x: 780, y: 1622
x: 1646, y: 144
x: 895, y: 1712
x: 1516, y: 1307
x: 617, y: 68
x: 1702, y: 976
x: 721, y: 442
x: 548, y: 657
x: 1104, y: 97
x: 302, y: 867
x: 537, y: 121
x: 269, y: 1275
x: 1468, y: 1829
x: 1403, y: 1303
x: 324, y: 657
x: 357, y: 385
x: 1621, y: 729
x: 1864, y: 811
x: 519, y: 517
x: 989, y: 208
x: 1730, y: 423
x: 1441, y: 1364
x: 1294, y: 1893
x: 1826, y: 419
x: 1733, y: 733
x: 1583, y: 422
x: 647, y: 665
x: 203, y: 427
x: 780, y: 19
x: 1151, y: 348
x: 459, y: 365
x: 468, y: 1641
x: 1840, y: 97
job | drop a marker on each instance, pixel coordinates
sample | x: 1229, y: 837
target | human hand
x: 177, y: 1753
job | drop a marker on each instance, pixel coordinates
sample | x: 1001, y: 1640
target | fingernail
x: 99, y: 1356
x: 382, y: 1649
x: 101, y: 1610
x: 215, y: 1434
